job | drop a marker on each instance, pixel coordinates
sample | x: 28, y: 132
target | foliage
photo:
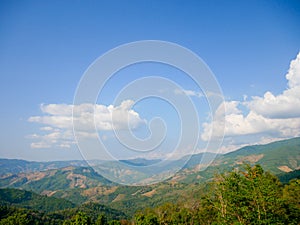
x: 291, y: 196
x: 251, y: 197
x: 31, y: 200
x: 287, y: 177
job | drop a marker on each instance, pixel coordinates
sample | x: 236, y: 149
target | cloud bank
x: 57, y: 121
x: 270, y: 115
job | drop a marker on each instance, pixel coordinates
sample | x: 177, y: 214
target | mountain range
x: 78, y: 183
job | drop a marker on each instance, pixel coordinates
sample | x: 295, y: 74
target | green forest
x: 248, y: 195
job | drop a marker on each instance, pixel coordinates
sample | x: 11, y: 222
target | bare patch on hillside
x: 285, y: 169
x: 35, y: 176
x: 99, y: 191
x: 250, y: 158
x: 77, y: 180
x: 69, y: 168
x: 48, y: 193
x: 149, y: 193
x: 119, y: 198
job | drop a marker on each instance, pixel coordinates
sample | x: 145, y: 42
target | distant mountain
x: 140, y: 162
x: 50, y: 181
x: 276, y: 157
x: 14, y: 166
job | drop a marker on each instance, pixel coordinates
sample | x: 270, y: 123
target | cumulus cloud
x: 285, y: 105
x: 52, y: 138
x: 275, y: 115
x: 57, y: 121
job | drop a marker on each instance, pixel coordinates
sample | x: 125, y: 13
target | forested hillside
x: 245, y: 196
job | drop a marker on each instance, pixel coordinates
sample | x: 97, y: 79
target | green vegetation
x: 30, y: 200
x: 245, y: 196
x: 251, y: 196
x: 243, y: 193
x: 273, y: 155
x: 286, y: 177
x: 82, y: 184
x: 12, y: 212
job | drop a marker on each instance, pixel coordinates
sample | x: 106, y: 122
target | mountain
x: 14, y: 166
x: 140, y: 162
x: 276, y: 157
x: 82, y: 184
x: 50, y: 181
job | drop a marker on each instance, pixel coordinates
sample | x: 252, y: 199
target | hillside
x: 243, y: 194
x: 31, y: 208
x: 82, y: 184
x: 30, y: 200
x: 287, y: 177
x: 50, y: 181
x: 276, y: 157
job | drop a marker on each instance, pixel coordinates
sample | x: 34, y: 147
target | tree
x: 101, y: 220
x: 17, y: 219
x: 291, y: 196
x: 248, y: 197
x: 146, y: 219
x: 79, y: 219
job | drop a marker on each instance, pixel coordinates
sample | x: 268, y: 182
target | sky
x: 251, y: 47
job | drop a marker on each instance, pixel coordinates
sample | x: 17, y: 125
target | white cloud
x: 54, y: 138
x: 57, y: 109
x: 293, y: 76
x: 285, y: 105
x: 58, y: 122
x: 230, y: 147
x: 274, y: 115
x: 40, y: 145
x: 46, y: 128
x: 188, y: 93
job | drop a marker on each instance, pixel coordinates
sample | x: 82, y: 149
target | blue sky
x: 46, y: 46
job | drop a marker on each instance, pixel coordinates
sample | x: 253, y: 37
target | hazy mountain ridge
x: 272, y: 156
x: 14, y: 166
